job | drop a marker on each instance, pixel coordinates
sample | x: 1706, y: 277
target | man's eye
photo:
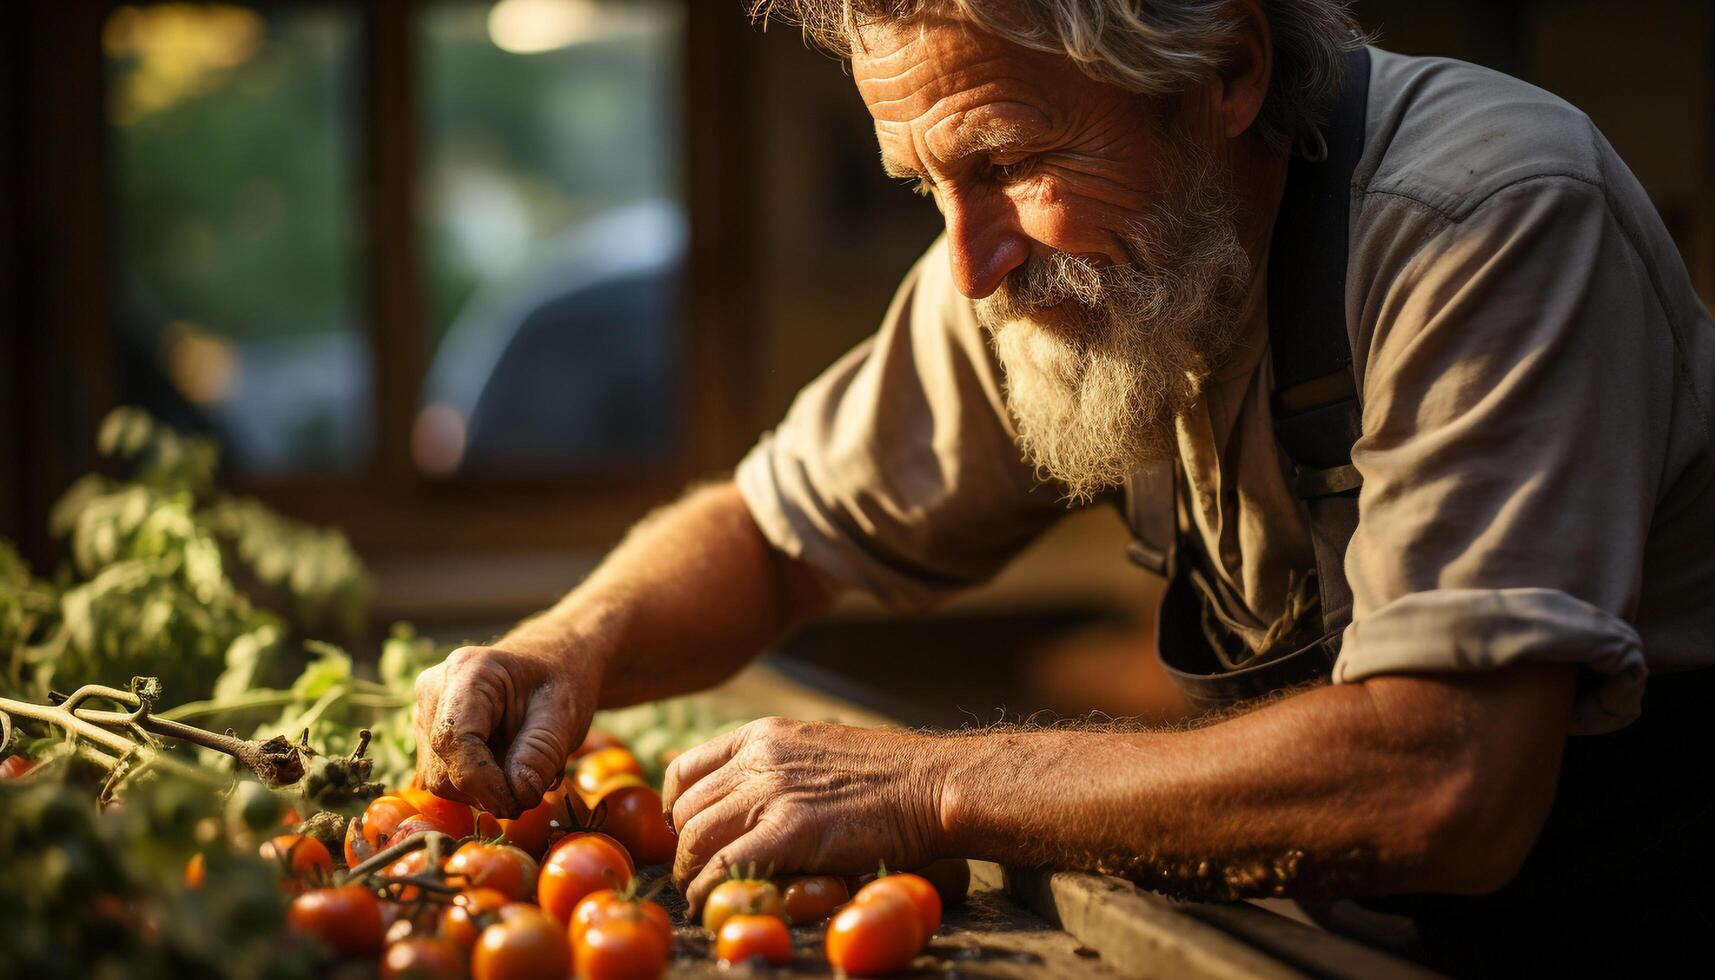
x: 921, y: 186
x: 1011, y: 169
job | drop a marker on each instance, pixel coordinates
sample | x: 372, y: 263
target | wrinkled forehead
x: 945, y: 75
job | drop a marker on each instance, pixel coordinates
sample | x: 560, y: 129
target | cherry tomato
x: 16, y: 765
x: 601, y: 765
x: 524, y: 945
x: 746, y: 937
x: 414, y: 863
x: 298, y: 858
x: 413, y: 825
x: 882, y: 935
x: 951, y: 878
x: 608, y: 905
x: 559, y: 813
x: 576, y: 866
x: 346, y: 919
x: 813, y: 898
x: 357, y: 847
x: 381, y: 820
x: 633, y: 816
x: 472, y: 910
x: 914, y: 889
x: 623, y: 949
x: 596, y: 739
x: 741, y: 896
x: 424, y: 958
x: 196, y: 871
x: 487, y: 825
x: 454, y: 819
x: 498, y: 866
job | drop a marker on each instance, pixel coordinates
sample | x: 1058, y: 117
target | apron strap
x: 1316, y: 415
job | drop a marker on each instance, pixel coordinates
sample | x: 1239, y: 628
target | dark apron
x: 1623, y: 872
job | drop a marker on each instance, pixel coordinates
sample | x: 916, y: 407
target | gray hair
x: 1153, y: 47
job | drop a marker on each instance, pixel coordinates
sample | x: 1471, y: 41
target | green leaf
x: 244, y: 658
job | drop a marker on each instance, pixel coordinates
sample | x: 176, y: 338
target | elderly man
x: 1395, y: 375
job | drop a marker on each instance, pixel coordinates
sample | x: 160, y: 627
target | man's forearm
x: 1399, y: 784
x: 691, y: 594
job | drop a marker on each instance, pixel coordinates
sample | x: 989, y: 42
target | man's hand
x: 802, y: 796
x: 494, y: 726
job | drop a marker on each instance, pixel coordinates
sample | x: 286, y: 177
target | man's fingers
x: 538, y: 753
x: 469, y: 711
x: 696, y: 763
x: 701, y: 795
x: 760, y: 848
x: 705, y: 834
x: 476, y: 776
x: 428, y: 687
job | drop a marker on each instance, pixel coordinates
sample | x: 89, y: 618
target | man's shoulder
x: 1448, y: 135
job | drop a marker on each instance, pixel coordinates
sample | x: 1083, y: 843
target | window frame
x: 386, y: 505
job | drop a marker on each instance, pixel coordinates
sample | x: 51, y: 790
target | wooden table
x: 1018, y: 923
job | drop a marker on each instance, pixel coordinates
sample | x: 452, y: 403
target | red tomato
x: 472, y: 910
x: 740, y: 896
x: 499, y: 866
x: 16, y: 765
x: 951, y: 878
x: 559, y: 813
x: 487, y: 825
x: 608, y: 905
x: 746, y: 937
x: 346, y: 919
x: 596, y: 739
x: 882, y: 935
x: 524, y: 945
x: 633, y: 816
x: 425, y: 958
x: 381, y: 820
x: 577, y: 866
x: 603, y: 764
x: 813, y: 898
x: 196, y: 871
x: 454, y: 819
x: 299, y: 859
x: 623, y: 949
x: 414, y: 863
x: 357, y: 847
x: 413, y: 825
x: 914, y: 889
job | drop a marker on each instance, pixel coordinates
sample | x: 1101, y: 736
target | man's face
x: 1094, y: 229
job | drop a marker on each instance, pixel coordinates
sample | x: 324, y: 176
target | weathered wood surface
x: 1061, y: 924
x: 1142, y: 934
x: 990, y: 936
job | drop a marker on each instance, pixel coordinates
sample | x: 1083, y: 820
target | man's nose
x: 984, y: 243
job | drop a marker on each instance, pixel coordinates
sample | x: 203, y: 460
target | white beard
x: 1099, y: 361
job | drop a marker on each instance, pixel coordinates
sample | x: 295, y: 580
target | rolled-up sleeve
x: 1516, y: 401
x: 897, y: 471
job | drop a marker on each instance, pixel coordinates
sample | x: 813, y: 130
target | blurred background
x: 482, y: 282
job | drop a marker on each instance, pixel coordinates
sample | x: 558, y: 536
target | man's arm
x: 692, y: 593
x: 1396, y: 784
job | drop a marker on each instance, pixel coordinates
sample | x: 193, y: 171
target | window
x: 551, y: 232
x: 236, y: 307
x: 553, y: 235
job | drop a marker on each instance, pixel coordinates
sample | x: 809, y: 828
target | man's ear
x: 1247, y: 69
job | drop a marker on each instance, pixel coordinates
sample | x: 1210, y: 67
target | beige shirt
x: 1538, y: 448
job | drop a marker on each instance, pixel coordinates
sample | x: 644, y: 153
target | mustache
x: 1053, y: 281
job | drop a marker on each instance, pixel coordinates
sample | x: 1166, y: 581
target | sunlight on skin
x: 1025, y: 155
